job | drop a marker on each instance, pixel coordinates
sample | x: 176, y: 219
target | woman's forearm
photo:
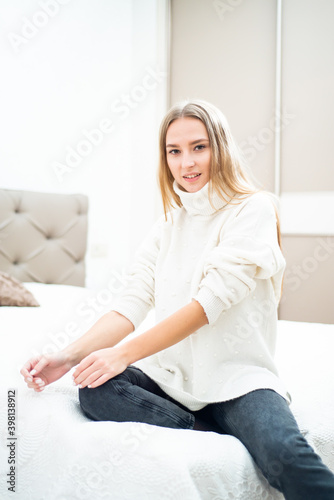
x: 108, y: 331
x: 168, y: 332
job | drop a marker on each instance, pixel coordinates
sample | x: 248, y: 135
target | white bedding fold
x: 63, y: 455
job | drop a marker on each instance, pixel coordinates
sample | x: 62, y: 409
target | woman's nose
x: 187, y: 161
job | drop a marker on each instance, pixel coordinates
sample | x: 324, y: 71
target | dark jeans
x: 261, y: 420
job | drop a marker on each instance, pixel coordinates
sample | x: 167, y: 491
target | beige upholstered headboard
x: 43, y: 237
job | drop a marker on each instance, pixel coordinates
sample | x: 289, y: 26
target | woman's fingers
x: 98, y: 367
x: 99, y: 381
x: 88, y: 376
x: 39, y: 366
x: 80, y: 374
x: 38, y: 385
x: 38, y: 389
x: 92, y: 373
x: 28, y: 370
x: 27, y: 367
x: 95, y: 379
x: 84, y: 364
x: 86, y: 368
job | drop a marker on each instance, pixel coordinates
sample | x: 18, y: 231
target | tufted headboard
x: 43, y: 237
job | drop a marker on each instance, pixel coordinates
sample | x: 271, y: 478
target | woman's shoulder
x: 261, y: 202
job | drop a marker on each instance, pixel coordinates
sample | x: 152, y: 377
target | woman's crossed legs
x: 261, y: 420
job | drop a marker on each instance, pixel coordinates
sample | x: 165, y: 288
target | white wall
x: 82, y: 92
x: 307, y: 91
x: 225, y: 51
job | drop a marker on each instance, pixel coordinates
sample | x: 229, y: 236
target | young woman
x: 212, y: 268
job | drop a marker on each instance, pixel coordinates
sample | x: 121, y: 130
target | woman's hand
x: 99, y: 367
x: 43, y: 370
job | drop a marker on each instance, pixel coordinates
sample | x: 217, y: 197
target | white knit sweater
x: 227, y: 258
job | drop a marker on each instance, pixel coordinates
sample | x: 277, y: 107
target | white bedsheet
x: 61, y: 455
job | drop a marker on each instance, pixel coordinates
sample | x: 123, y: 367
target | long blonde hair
x: 228, y: 173
x: 228, y: 170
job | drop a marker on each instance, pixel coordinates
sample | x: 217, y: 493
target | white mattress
x: 61, y: 455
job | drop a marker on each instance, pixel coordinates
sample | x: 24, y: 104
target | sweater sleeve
x: 248, y: 251
x: 138, y: 296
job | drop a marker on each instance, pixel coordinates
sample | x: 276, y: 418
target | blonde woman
x: 212, y: 268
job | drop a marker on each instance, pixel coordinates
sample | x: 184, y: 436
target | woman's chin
x: 192, y: 187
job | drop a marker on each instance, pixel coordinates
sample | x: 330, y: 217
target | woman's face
x: 188, y: 153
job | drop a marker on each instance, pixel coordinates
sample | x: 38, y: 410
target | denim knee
x: 285, y: 455
x: 119, y: 400
x: 280, y: 453
x: 93, y: 401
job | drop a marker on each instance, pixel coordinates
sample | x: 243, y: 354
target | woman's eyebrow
x: 191, y: 143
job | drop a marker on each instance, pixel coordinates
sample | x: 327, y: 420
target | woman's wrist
x: 71, y: 355
x: 126, y: 353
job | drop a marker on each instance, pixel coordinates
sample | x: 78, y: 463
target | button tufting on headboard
x: 43, y: 236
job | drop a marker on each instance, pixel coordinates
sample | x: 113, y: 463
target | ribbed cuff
x: 135, y: 310
x: 211, y: 304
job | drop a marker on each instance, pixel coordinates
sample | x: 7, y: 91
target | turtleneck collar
x: 199, y: 203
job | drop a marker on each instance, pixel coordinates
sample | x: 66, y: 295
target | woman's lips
x: 191, y: 177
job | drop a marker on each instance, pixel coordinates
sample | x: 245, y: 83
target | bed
x: 59, y: 454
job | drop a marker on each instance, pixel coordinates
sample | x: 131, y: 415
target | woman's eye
x: 173, y: 151
x: 199, y: 147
